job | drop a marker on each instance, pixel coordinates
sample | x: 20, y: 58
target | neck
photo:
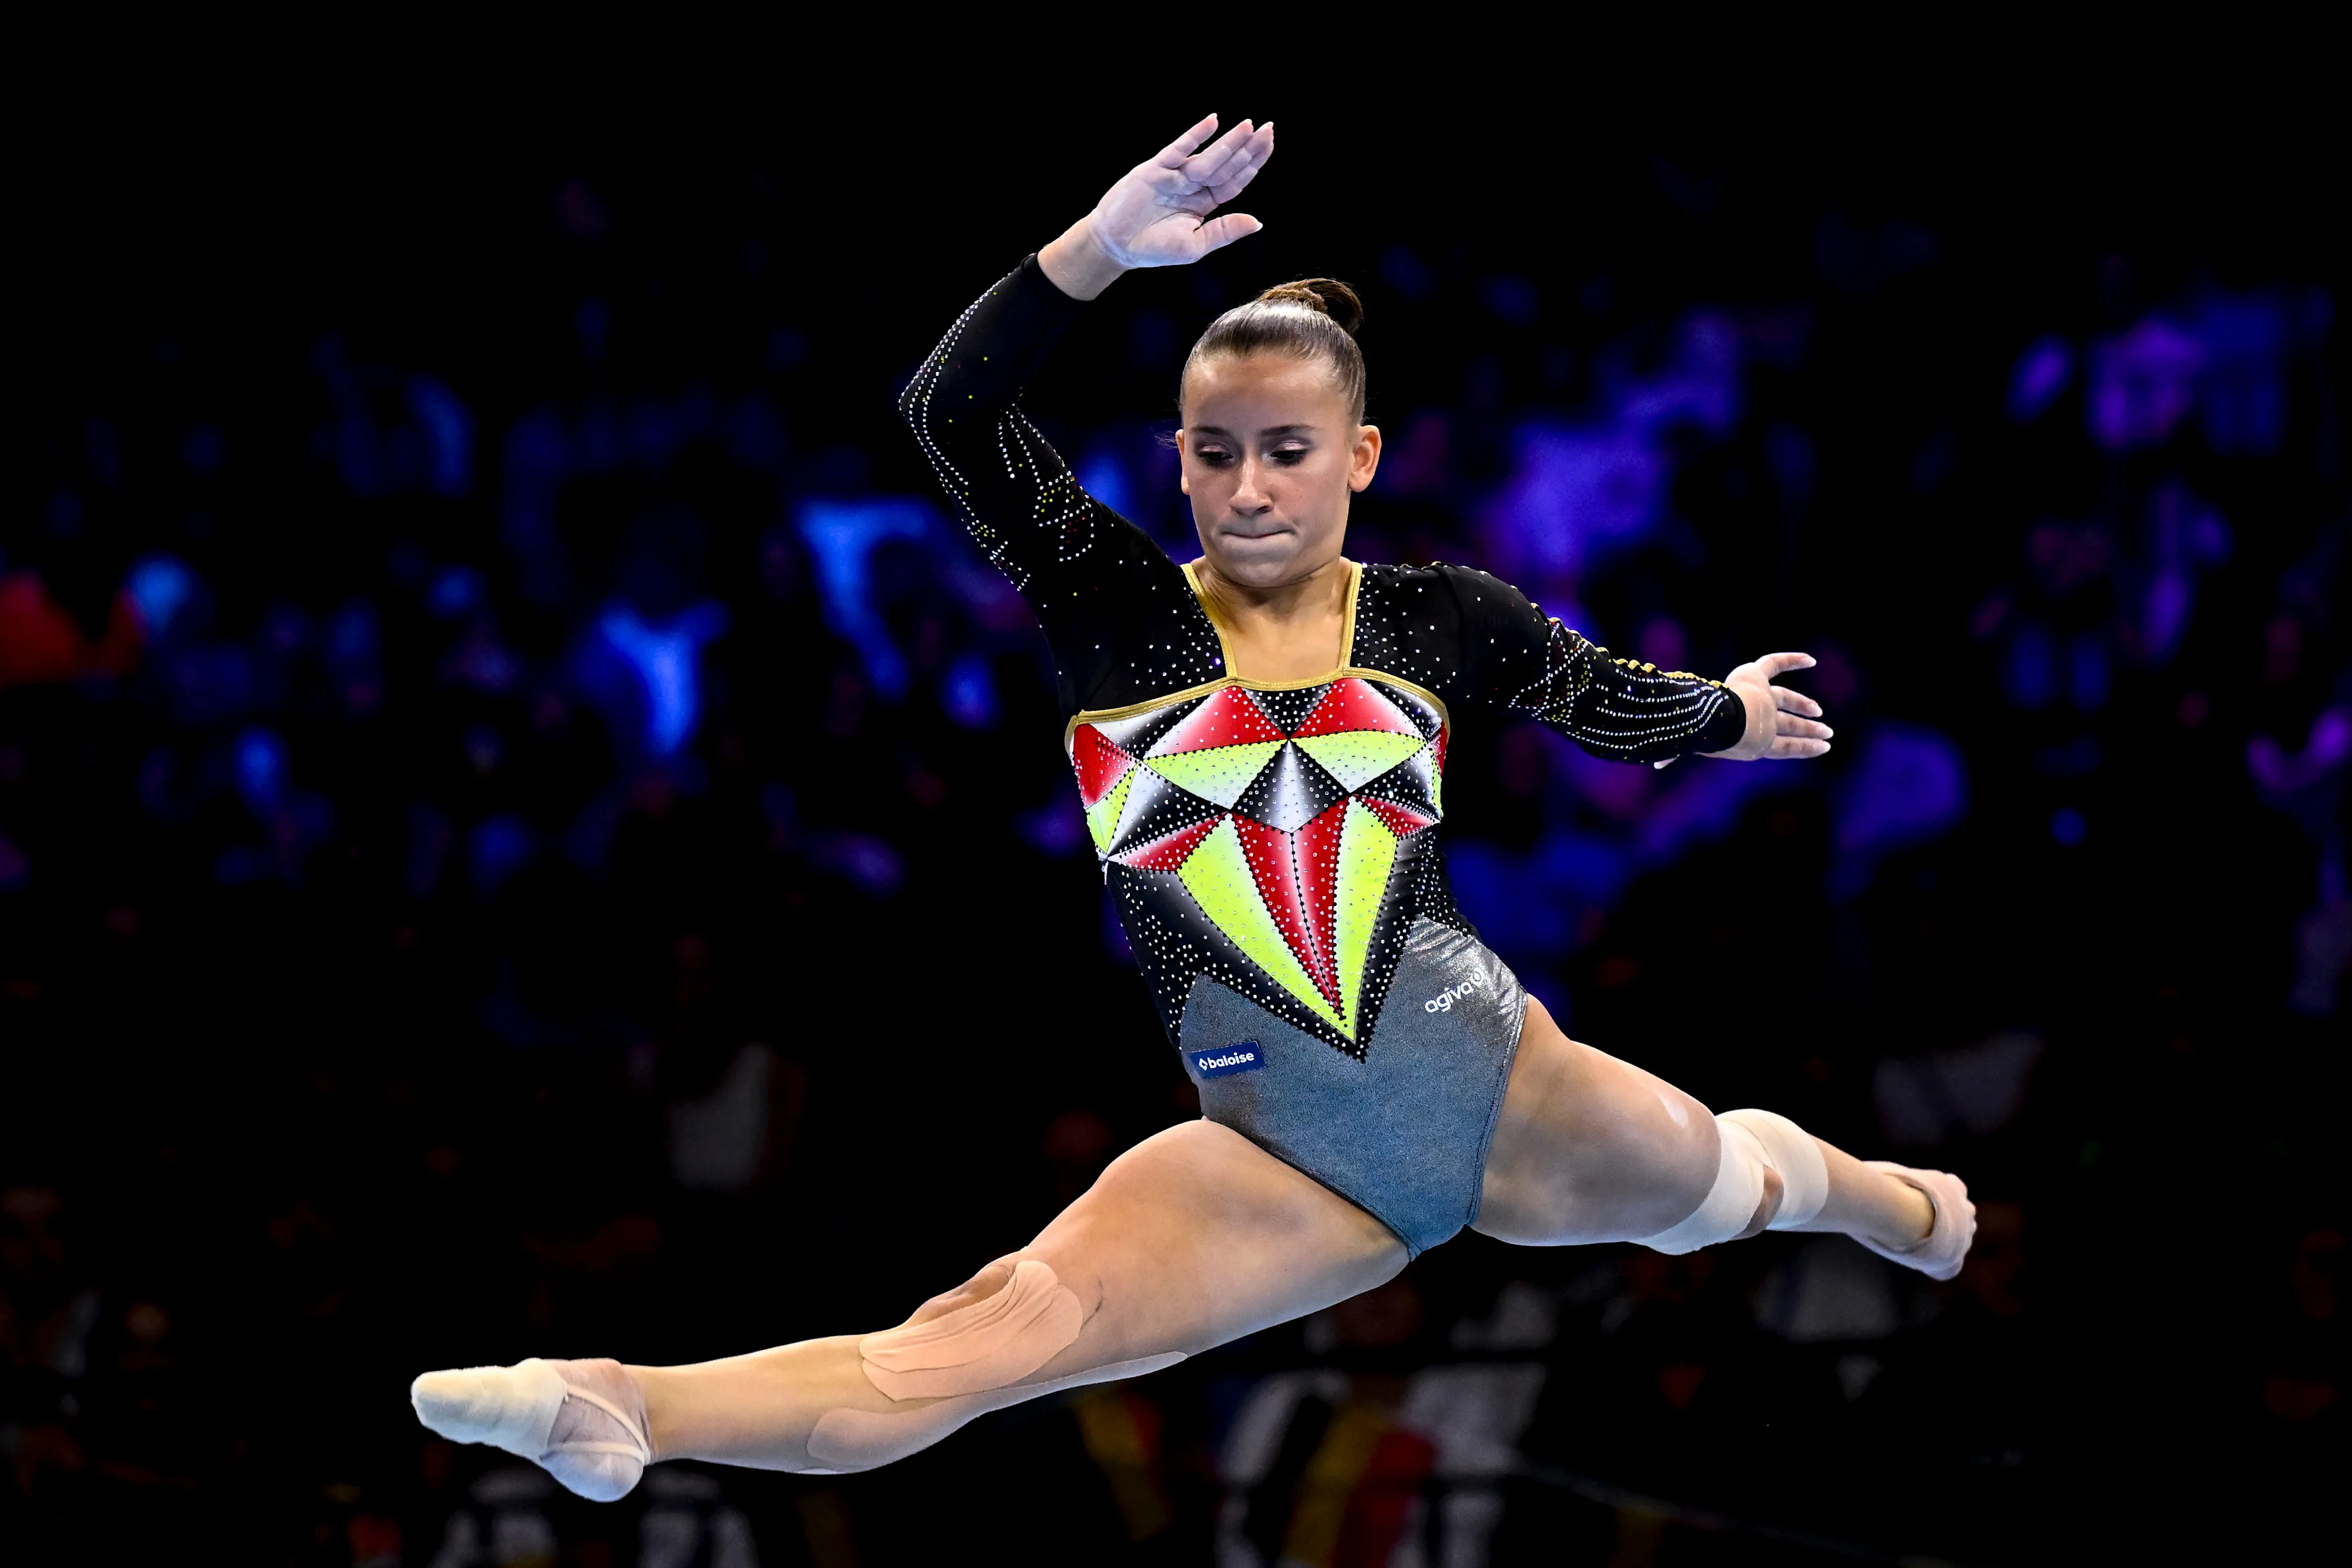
x: 1320, y: 592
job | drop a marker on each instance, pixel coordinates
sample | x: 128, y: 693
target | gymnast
x: 1259, y: 739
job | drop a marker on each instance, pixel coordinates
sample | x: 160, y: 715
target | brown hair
x: 1314, y: 318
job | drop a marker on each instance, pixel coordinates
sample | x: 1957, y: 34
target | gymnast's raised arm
x: 1075, y: 560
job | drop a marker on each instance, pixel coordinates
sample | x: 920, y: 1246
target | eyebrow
x: 1269, y: 430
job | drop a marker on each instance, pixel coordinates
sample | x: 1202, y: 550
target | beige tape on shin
x: 986, y: 1345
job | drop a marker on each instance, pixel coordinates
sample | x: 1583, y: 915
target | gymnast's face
x: 1272, y: 454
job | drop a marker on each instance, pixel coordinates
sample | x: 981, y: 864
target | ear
x: 1183, y: 476
x: 1365, y: 459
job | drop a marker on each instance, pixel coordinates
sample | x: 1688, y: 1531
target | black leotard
x: 1278, y: 837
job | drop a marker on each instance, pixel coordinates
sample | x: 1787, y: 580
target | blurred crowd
x: 540, y: 836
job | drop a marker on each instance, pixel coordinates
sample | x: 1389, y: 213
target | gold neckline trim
x: 1347, y: 633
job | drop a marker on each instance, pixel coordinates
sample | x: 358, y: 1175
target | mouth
x: 1256, y: 531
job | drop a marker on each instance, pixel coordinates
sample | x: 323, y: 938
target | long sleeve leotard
x: 1276, y: 836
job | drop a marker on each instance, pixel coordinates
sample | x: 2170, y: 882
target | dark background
x: 523, y: 829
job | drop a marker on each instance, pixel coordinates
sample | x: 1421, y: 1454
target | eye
x: 1289, y: 457
x: 1215, y: 456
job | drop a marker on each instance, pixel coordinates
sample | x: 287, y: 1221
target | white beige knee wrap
x: 1752, y: 1140
x: 1791, y: 1150
x: 964, y: 1364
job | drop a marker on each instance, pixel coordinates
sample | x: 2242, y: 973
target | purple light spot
x: 2280, y: 771
x: 2163, y: 611
x: 872, y: 865
x: 449, y: 435
x: 500, y: 846
x: 261, y: 770
x: 2029, y: 673
x: 2086, y: 673
x: 968, y: 692
x: 2042, y: 374
x: 2142, y: 382
x: 1057, y: 828
x: 2245, y: 384
x: 457, y: 590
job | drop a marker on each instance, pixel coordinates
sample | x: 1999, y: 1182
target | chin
x: 1262, y: 571
x: 1261, y: 562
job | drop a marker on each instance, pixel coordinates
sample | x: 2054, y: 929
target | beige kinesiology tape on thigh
x: 986, y: 1345
x: 964, y: 1364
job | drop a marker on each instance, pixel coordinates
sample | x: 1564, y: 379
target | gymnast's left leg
x: 1192, y: 1237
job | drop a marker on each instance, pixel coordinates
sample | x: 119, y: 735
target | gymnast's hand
x: 1157, y: 215
x: 1781, y: 724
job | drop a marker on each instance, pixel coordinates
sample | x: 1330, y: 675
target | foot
x: 1951, y: 1227
x: 583, y: 1422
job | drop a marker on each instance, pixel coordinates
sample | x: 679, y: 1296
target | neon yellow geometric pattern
x: 1102, y: 818
x: 1217, y: 875
x: 1270, y: 838
x: 1367, y: 852
x: 1357, y: 757
x: 1219, y: 772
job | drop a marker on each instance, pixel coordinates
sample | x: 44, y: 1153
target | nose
x: 1250, y: 497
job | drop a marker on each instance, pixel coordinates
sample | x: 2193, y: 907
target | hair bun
x: 1325, y: 296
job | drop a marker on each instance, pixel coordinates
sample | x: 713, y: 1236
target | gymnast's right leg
x: 1589, y: 1149
x: 1191, y: 1238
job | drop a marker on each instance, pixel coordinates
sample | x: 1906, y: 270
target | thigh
x: 1194, y: 1236
x: 1191, y: 1238
x: 1588, y: 1148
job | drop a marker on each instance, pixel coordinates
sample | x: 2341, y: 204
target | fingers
x: 1220, y: 232
x: 1774, y: 663
x: 1787, y: 748
x: 1205, y: 166
x: 1668, y: 762
x: 1173, y: 156
x: 1790, y: 702
x: 1247, y: 161
x: 1790, y: 724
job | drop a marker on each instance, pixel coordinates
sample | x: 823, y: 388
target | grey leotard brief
x: 1401, y: 1134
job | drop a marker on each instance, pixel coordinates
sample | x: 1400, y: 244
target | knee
x: 1768, y: 1172
x: 980, y: 1287
x: 845, y: 1441
x: 1005, y: 1323
x: 1601, y: 1151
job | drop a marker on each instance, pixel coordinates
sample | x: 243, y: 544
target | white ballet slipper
x: 509, y: 1407
x: 583, y: 1422
x: 1939, y: 1254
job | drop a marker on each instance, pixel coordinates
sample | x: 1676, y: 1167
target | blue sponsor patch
x: 1223, y: 1061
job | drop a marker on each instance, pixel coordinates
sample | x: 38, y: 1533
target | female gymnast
x: 1259, y: 739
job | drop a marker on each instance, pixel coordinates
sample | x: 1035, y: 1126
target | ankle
x: 654, y: 1393
x: 1909, y: 1216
